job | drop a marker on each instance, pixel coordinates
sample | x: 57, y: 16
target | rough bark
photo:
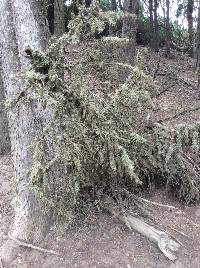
x: 25, y: 120
x: 167, y: 31
x: 88, y: 3
x: 156, y: 35
x: 50, y: 15
x: 113, y: 5
x: 151, y: 25
x: 129, y: 28
x: 4, y: 135
x: 120, y: 5
x: 197, y: 50
x: 190, y: 8
x: 59, y: 17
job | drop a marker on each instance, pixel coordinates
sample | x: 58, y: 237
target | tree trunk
x: 59, y: 17
x: 151, y: 25
x: 156, y: 41
x: 88, y: 3
x: 190, y: 8
x: 4, y: 135
x: 197, y: 50
x: 120, y: 5
x: 25, y: 120
x: 167, y: 31
x: 129, y: 28
x: 50, y: 15
x: 113, y: 5
x: 129, y: 25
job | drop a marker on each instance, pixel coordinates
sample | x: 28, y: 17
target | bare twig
x: 23, y: 244
x: 179, y: 232
x: 156, y: 204
x: 164, y: 90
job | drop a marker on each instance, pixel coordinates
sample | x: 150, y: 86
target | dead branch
x: 164, y: 90
x: 168, y: 246
x: 156, y: 204
x: 183, y: 112
x: 165, y: 243
x: 187, y: 82
x: 23, y: 244
x: 179, y: 232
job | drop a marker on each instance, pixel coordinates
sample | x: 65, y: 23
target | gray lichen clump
x: 99, y: 122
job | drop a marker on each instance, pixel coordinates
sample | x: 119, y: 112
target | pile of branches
x: 100, y: 127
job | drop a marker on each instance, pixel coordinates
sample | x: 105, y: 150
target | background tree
x: 167, y: 29
x: 156, y: 30
x: 190, y: 9
x: 153, y: 26
x: 4, y: 135
x: 59, y: 17
x: 56, y: 16
x: 113, y: 4
x: 50, y: 15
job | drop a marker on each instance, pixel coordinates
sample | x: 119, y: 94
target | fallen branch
x: 168, y: 246
x: 156, y: 204
x: 185, y: 111
x: 179, y: 232
x: 23, y: 244
x: 187, y: 82
x: 168, y: 88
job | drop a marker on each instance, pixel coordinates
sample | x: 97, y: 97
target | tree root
x: 23, y: 244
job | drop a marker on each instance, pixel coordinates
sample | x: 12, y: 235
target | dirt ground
x: 102, y: 241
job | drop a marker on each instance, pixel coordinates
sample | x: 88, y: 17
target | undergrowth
x: 98, y: 124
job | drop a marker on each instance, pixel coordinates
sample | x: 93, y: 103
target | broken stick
x: 27, y: 245
x: 167, y: 245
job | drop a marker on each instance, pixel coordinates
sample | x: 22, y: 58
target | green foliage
x: 98, y: 126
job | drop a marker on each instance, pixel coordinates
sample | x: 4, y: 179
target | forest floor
x: 102, y: 241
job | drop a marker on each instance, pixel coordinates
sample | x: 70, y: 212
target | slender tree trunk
x: 151, y: 25
x: 120, y: 5
x: 197, y: 50
x: 167, y: 31
x: 129, y: 28
x: 190, y: 8
x: 88, y: 3
x: 50, y: 15
x: 156, y: 30
x: 129, y: 24
x: 4, y: 135
x: 59, y: 17
x: 113, y: 5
